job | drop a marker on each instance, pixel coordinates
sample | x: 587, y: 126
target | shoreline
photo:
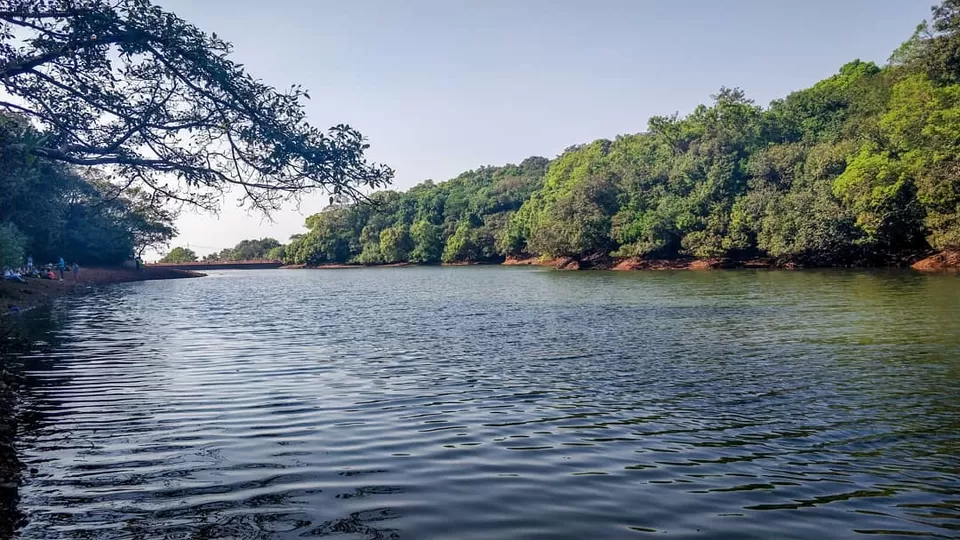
x: 944, y: 261
x: 217, y: 265
x: 18, y: 297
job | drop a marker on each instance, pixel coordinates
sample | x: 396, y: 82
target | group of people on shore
x: 49, y: 271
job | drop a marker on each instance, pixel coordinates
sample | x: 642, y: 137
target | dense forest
x: 245, y: 250
x: 860, y: 168
x: 249, y: 250
x: 50, y: 210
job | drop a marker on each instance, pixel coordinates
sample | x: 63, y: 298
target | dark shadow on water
x: 20, y: 334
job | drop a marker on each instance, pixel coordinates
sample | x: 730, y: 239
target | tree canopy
x: 180, y: 254
x: 861, y: 168
x: 249, y: 250
x: 158, y: 104
x: 462, y: 220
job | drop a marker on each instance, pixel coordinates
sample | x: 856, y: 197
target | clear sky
x: 443, y: 86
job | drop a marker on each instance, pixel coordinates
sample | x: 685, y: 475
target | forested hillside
x: 860, y: 168
x: 248, y: 250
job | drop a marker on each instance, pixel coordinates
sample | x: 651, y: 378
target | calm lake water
x: 490, y: 402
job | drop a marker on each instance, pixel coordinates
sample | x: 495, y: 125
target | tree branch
x: 11, y: 69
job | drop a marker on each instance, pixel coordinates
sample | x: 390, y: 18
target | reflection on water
x: 498, y: 402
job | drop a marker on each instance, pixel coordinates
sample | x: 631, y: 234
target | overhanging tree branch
x: 126, y: 85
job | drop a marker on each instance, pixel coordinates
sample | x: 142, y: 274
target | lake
x: 494, y: 402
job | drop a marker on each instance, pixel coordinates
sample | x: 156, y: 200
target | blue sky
x: 440, y: 87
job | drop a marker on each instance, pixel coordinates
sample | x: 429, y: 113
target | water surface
x: 491, y: 402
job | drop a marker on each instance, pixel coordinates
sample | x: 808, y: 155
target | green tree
x: 460, y: 247
x: 394, y: 244
x: 579, y: 223
x: 332, y: 238
x: 180, y: 255
x: 427, y: 242
x: 12, y: 244
x: 250, y: 250
x: 934, y: 49
x: 923, y: 129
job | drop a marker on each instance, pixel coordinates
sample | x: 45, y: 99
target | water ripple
x: 497, y: 402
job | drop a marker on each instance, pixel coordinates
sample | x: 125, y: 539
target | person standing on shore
x: 76, y: 272
x: 61, y: 266
x: 29, y: 264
